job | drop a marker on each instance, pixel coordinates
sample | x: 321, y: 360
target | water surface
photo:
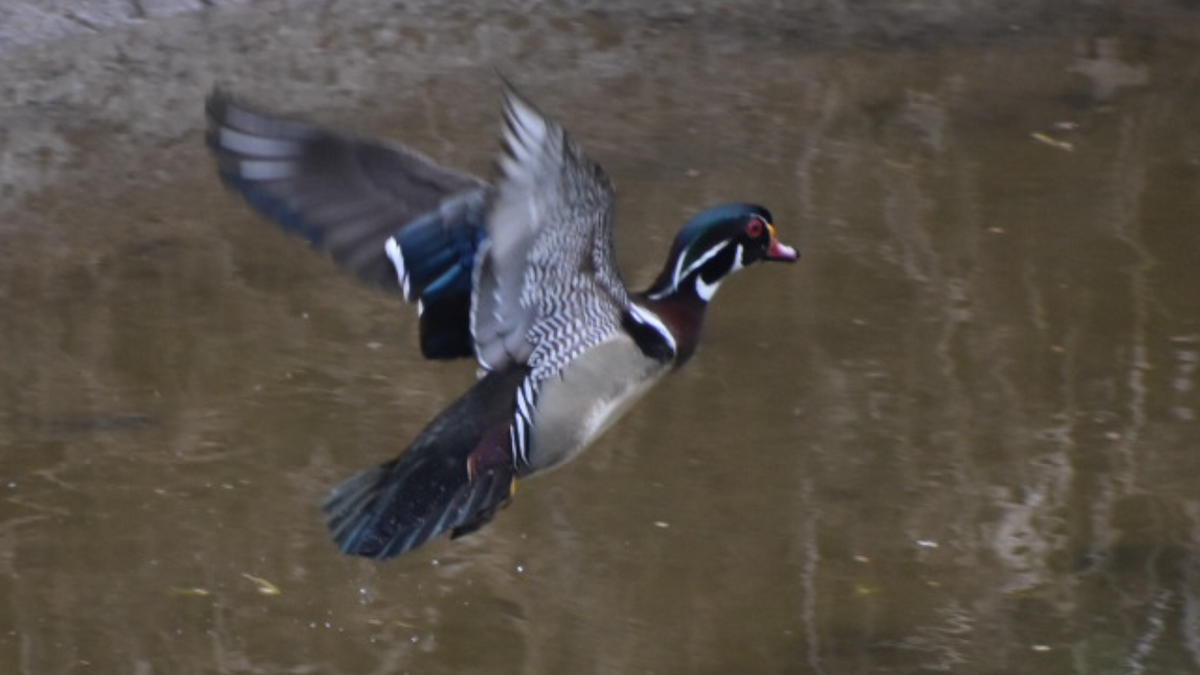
x: 960, y: 436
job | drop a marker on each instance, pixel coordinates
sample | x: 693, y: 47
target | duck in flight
x: 519, y: 273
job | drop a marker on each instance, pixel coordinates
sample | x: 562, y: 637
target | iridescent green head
x: 714, y: 244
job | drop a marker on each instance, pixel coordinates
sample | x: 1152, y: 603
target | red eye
x: 754, y: 228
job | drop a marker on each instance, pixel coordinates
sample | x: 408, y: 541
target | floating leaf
x: 265, y: 587
x: 1052, y: 142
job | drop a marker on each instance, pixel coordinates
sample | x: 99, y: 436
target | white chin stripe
x: 705, y: 290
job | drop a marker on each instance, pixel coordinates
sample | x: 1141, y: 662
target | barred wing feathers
x: 546, y: 284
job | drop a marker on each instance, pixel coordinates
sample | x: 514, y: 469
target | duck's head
x: 714, y: 244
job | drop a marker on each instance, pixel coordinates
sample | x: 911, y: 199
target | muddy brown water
x: 960, y: 436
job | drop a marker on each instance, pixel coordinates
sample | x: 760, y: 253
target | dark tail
x: 453, y: 478
x: 397, y: 506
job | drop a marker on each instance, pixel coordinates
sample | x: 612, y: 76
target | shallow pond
x: 960, y: 436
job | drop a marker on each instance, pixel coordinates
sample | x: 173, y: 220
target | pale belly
x: 593, y: 392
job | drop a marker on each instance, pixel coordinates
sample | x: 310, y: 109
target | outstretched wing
x: 546, y: 282
x: 385, y: 213
x: 342, y: 194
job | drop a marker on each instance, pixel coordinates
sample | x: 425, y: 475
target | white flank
x: 602, y: 415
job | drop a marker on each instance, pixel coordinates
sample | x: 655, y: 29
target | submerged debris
x: 1052, y: 142
x: 265, y: 587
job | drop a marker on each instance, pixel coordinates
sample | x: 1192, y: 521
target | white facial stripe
x: 704, y: 290
x: 701, y: 260
x: 662, y: 294
x: 737, y: 259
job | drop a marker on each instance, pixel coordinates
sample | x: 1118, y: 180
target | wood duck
x: 519, y: 273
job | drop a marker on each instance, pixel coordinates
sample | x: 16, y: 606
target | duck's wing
x: 546, y: 281
x: 342, y: 194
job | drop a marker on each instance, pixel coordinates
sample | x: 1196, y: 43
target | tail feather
x: 399, y: 505
x: 428, y: 490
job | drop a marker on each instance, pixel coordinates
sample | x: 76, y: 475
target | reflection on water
x: 959, y: 436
